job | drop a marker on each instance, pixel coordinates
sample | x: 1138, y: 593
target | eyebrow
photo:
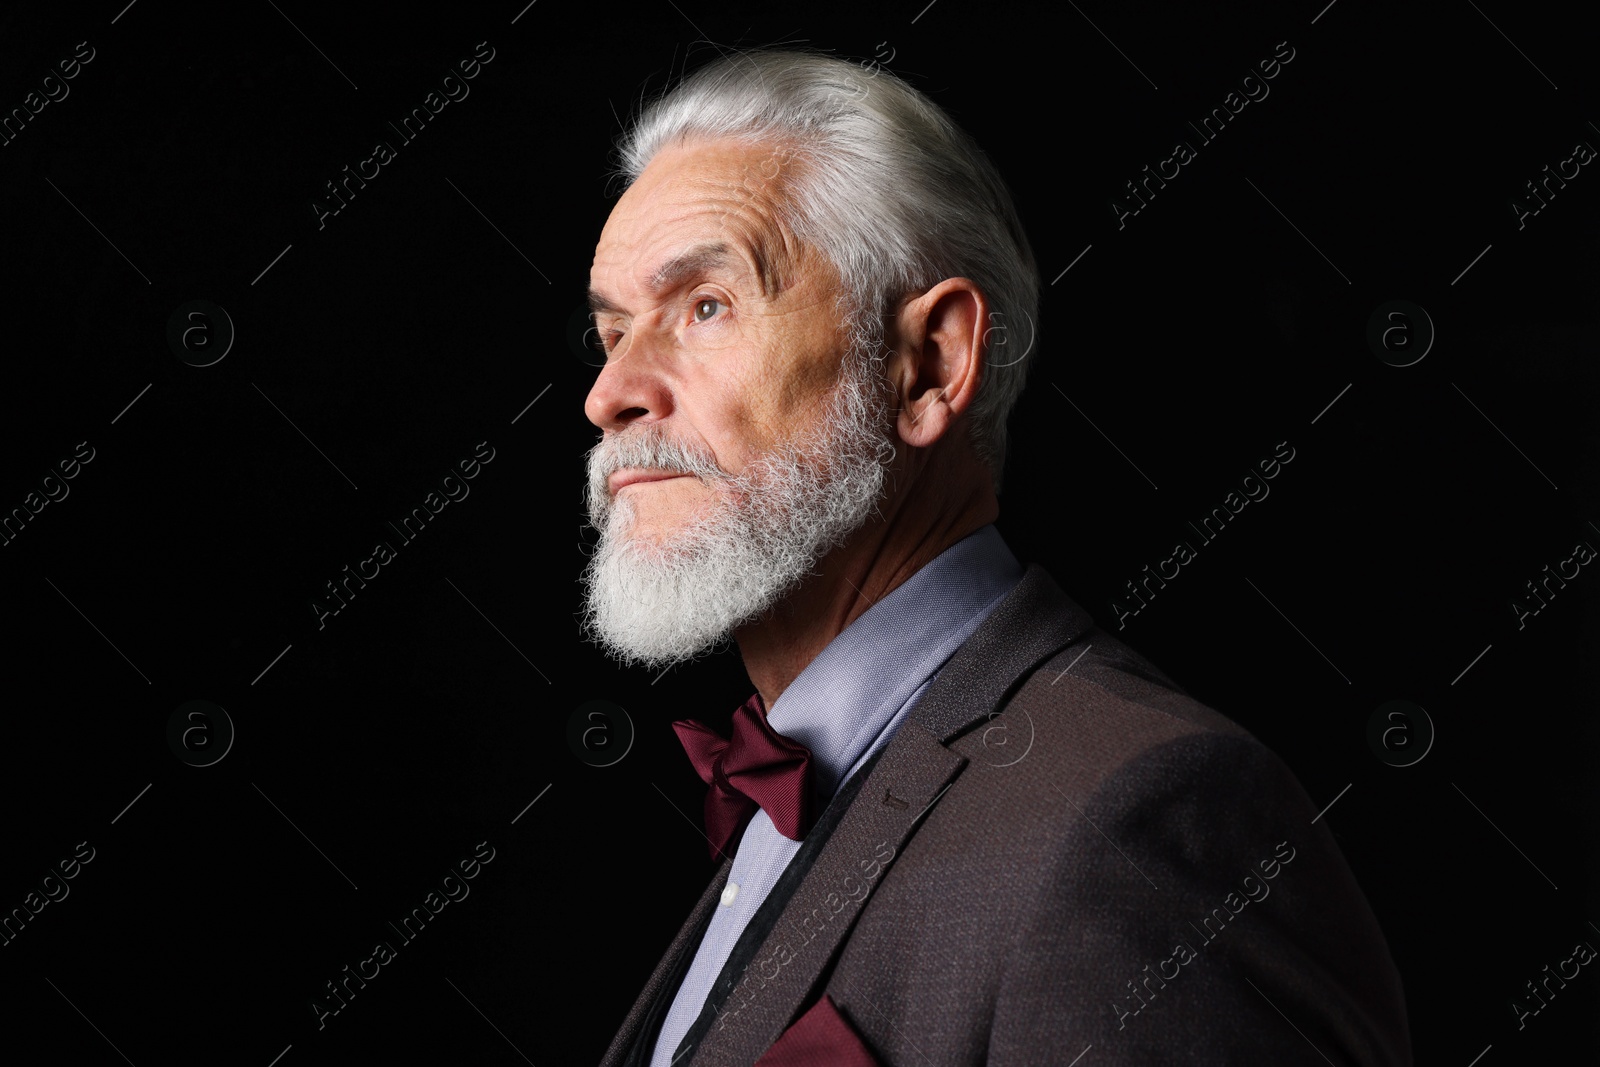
x: 676, y: 271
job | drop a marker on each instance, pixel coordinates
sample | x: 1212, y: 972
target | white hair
x: 891, y: 192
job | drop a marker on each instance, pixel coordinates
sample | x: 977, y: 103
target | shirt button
x: 729, y: 891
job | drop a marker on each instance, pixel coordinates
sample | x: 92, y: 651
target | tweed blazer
x: 1059, y: 858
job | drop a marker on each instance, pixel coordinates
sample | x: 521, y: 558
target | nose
x: 630, y: 387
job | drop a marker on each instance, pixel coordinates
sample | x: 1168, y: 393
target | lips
x: 623, y: 479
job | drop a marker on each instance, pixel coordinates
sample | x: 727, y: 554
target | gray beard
x: 656, y: 604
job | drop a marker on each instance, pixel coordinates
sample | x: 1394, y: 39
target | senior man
x: 956, y: 822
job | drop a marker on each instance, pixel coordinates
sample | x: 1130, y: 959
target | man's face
x: 727, y: 365
x: 732, y: 353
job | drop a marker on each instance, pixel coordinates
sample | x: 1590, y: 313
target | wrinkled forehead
x: 729, y: 192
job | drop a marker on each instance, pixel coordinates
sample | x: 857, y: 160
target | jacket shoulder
x: 1109, y: 830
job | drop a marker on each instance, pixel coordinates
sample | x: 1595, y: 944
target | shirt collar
x: 841, y: 701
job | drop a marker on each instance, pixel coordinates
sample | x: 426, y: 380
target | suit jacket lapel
x: 1032, y: 623
x: 1029, y: 626
x: 667, y: 972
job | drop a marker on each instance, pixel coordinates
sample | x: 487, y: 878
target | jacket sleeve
x: 1194, y: 914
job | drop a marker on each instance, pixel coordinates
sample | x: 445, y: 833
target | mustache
x: 648, y: 449
x: 658, y: 452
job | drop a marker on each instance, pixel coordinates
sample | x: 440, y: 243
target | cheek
x: 797, y: 399
x: 740, y: 424
x: 758, y: 393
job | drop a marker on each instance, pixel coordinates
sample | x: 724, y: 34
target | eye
x: 701, y: 302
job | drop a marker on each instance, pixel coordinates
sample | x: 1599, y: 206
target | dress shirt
x: 845, y: 706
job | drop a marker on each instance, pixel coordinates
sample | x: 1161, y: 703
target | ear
x: 936, y: 366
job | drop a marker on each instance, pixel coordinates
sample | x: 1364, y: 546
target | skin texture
x: 738, y: 377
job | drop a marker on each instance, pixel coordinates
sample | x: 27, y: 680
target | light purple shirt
x: 845, y: 706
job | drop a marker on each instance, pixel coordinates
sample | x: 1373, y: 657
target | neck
x: 943, y: 502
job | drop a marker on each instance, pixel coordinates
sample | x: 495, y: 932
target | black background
x: 378, y: 350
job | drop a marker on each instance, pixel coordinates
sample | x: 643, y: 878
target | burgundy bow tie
x: 754, y: 766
